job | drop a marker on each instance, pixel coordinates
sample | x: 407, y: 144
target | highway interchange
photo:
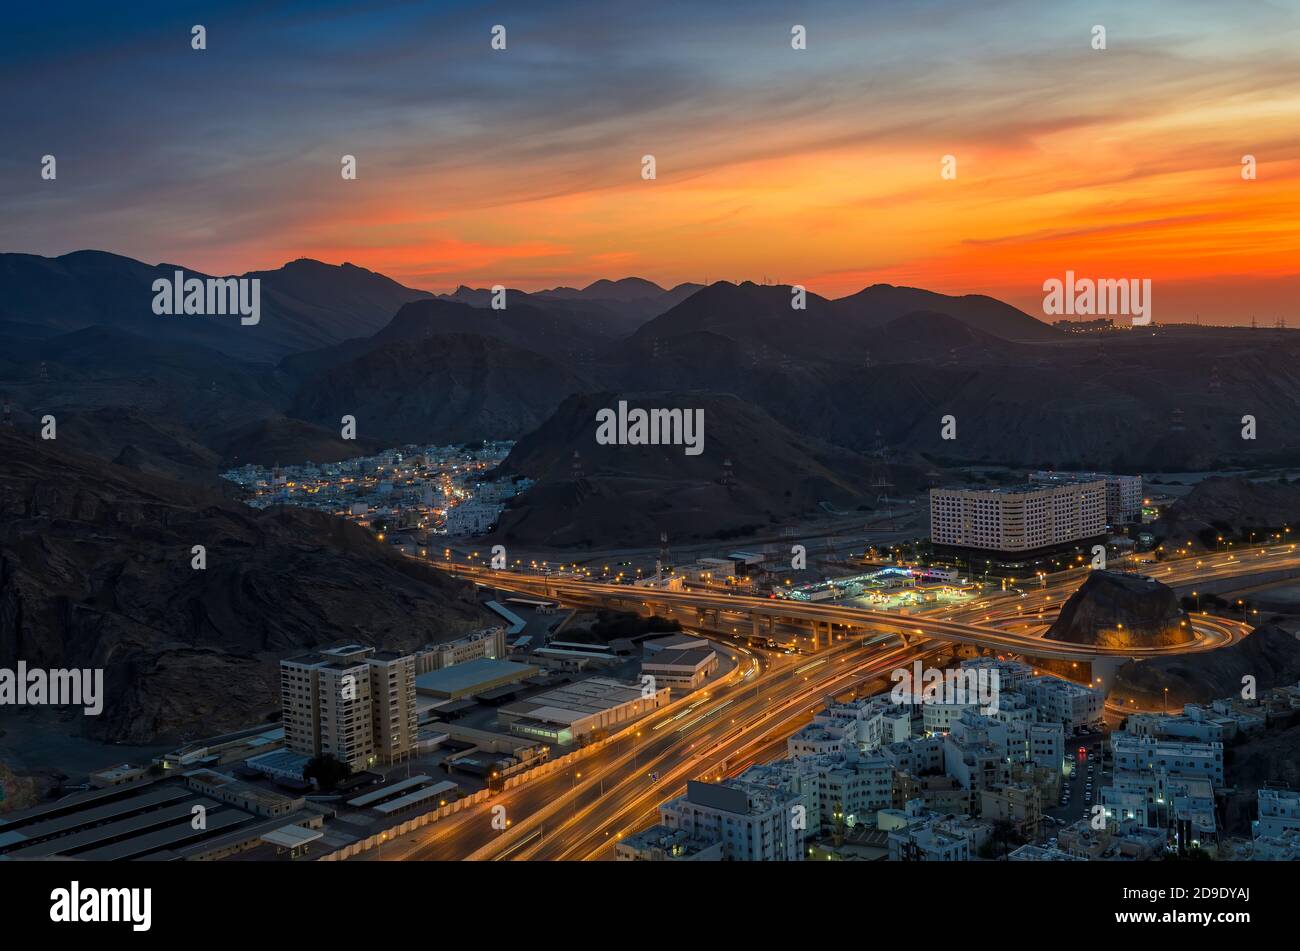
x: 746, y: 715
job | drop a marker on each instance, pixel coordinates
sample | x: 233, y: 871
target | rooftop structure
x: 568, y: 713
x: 472, y: 677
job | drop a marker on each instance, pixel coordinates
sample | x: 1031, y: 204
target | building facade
x: 350, y: 702
x: 1012, y: 521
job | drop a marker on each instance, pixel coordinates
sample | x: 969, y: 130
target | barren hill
x: 95, y: 571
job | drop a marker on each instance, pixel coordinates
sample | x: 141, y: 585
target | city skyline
x: 471, y: 432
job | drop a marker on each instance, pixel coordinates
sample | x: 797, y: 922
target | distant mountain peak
x: 625, y: 288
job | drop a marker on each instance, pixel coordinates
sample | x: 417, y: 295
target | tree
x: 326, y: 771
x: 1004, y: 834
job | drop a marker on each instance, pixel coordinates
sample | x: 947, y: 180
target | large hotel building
x: 1123, y: 492
x: 352, y: 702
x: 1020, y: 521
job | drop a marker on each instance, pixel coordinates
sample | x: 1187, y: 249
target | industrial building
x: 201, y: 816
x: 683, y: 669
x: 472, y: 677
x: 574, y: 711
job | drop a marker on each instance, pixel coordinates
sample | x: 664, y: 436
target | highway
x: 706, y: 735
x: 745, y: 718
x: 1209, y: 634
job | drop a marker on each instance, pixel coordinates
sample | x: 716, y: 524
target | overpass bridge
x: 763, y: 614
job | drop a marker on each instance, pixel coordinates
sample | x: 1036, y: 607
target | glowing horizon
x: 819, y: 166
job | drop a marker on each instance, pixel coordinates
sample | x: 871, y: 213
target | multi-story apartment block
x: 1123, y: 492
x: 1016, y: 521
x: 350, y: 702
x: 754, y: 824
x: 918, y: 835
x: 1073, y: 705
x: 1176, y: 758
x: 1279, y: 812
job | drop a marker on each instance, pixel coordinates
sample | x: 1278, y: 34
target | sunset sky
x: 819, y: 167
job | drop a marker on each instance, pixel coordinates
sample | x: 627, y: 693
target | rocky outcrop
x: 1270, y: 654
x: 1118, y: 610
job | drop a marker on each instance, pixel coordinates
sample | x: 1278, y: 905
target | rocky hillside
x: 1231, y: 504
x: 1270, y: 654
x: 440, y: 388
x: 95, y: 571
x: 628, y: 494
x: 1118, y: 610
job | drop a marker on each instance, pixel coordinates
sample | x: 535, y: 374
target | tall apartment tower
x: 392, y: 704
x: 350, y: 702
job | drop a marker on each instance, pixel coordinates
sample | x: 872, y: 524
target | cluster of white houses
x: 876, y: 780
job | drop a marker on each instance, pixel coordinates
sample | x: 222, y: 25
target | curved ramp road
x: 1210, y: 633
x: 581, y: 811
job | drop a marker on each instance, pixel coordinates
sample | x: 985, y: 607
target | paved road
x: 581, y: 812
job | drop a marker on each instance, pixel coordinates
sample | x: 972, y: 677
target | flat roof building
x: 472, y: 677
x: 752, y: 823
x: 351, y: 702
x: 684, y: 669
x: 659, y: 843
x: 1123, y: 492
x: 1018, y: 521
x: 568, y: 713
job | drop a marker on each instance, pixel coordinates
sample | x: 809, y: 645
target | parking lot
x: 1081, y: 790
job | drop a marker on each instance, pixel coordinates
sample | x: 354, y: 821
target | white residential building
x: 1073, y: 705
x: 924, y: 836
x: 865, y: 725
x: 1123, y: 492
x: 753, y: 824
x: 1279, y: 812
x: 1177, y: 758
x: 1012, y: 520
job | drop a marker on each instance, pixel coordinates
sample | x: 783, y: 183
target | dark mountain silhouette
x: 556, y: 333
x: 881, y: 365
x: 620, y: 305
x: 445, y: 387
x: 881, y: 303
x: 839, y: 331
x: 626, y: 494
x: 1230, y: 504
x: 95, y: 571
x: 304, y: 305
x: 624, y: 289
x: 523, y: 323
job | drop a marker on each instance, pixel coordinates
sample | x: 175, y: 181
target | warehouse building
x: 581, y: 710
